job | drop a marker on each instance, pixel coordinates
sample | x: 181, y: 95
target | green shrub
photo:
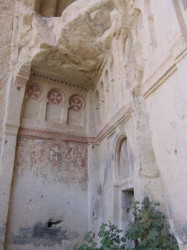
x: 110, y: 238
x: 148, y: 231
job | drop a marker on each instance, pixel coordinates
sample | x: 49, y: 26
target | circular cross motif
x: 76, y: 103
x: 34, y: 92
x: 54, y: 96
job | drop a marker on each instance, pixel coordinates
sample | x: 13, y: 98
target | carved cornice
x: 50, y: 135
x: 37, y: 75
x: 164, y: 71
x: 120, y: 118
x: 153, y: 84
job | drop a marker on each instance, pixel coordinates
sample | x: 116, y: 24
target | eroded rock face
x: 71, y: 47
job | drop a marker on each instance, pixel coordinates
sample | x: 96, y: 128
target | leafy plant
x: 148, y: 231
x: 89, y: 245
x: 110, y: 238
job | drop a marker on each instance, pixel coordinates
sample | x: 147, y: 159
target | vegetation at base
x: 148, y: 231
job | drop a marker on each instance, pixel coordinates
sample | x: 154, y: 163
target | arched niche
x: 124, y: 159
x: 76, y: 111
x: 123, y: 182
x: 54, y: 105
x: 32, y: 102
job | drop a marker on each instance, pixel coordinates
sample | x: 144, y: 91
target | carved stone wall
x: 6, y: 28
x: 54, y: 105
x: 50, y: 169
x: 50, y: 186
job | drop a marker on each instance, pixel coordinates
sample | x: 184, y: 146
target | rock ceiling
x: 73, y: 46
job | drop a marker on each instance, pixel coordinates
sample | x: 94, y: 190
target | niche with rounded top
x: 32, y: 102
x: 76, y: 111
x: 125, y: 159
x: 54, y: 105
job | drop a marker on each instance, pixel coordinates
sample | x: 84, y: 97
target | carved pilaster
x: 15, y: 95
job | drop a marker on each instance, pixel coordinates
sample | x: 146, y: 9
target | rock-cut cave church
x: 93, y: 97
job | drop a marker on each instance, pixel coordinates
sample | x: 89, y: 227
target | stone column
x: 37, y: 6
x: 15, y: 94
x: 48, y: 8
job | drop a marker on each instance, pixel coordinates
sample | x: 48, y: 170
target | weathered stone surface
x: 71, y: 47
x: 94, y: 97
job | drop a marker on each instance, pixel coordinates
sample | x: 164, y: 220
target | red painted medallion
x: 55, y: 97
x: 76, y: 103
x: 34, y: 92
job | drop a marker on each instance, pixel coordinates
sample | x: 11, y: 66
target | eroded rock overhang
x: 71, y: 47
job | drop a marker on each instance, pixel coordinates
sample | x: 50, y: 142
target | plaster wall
x: 49, y: 195
x: 49, y: 200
